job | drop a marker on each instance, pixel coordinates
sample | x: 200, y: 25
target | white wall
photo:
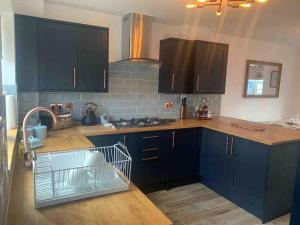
x: 8, y: 48
x: 233, y: 104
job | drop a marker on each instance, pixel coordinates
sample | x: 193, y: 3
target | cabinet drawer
x: 148, y: 145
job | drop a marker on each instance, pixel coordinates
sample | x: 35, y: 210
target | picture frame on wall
x: 274, y: 79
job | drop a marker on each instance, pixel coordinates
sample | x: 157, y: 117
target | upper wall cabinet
x: 92, y: 59
x: 57, y: 50
x: 192, y: 66
x: 26, y: 53
x: 176, y: 71
x: 210, y: 67
x: 68, y: 56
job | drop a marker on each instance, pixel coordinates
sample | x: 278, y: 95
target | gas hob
x: 142, y: 122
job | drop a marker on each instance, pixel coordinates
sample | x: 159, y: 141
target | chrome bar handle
x: 227, y: 145
x: 152, y: 158
x: 173, y: 78
x: 173, y: 140
x: 232, y: 144
x: 150, y: 137
x: 74, y: 76
x: 198, y: 78
x: 124, y: 140
x: 150, y: 149
x: 104, y: 79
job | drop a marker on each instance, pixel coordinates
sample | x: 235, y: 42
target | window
x: 255, y: 87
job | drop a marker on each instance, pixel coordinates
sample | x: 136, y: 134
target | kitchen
x: 175, y: 96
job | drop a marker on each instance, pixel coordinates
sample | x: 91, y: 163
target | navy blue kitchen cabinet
x: 256, y: 177
x: 160, y: 159
x: 57, y: 49
x: 92, y: 67
x: 27, y: 70
x: 53, y: 55
x: 215, y: 163
x: 150, y: 152
x: 183, y: 157
x: 249, y: 173
x: 295, y: 214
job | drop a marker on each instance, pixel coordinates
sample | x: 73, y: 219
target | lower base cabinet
x: 183, y: 157
x: 256, y: 177
x: 160, y: 159
x: 295, y: 214
x: 150, y: 154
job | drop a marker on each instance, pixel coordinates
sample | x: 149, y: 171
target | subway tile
x: 87, y: 96
x: 123, y: 89
x: 130, y: 83
x: 136, y: 103
x: 71, y: 96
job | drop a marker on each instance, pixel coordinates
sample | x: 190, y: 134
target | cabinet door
x: 295, y: 213
x: 26, y: 53
x: 92, y: 69
x: 215, y: 161
x: 249, y: 171
x: 57, y: 43
x: 183, y: 156
x: 210, y: 67
x: 165, y: 79
x: 176, y: 73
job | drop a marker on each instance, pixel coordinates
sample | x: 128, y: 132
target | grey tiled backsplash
x: 133, y: 92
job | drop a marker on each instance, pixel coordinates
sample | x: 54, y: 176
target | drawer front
x: 143, y: 146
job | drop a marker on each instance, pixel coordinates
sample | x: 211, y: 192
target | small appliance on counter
x: 63, y: 116
x: 203, y: 112
x: 89, y: 117
x: 183, y: 110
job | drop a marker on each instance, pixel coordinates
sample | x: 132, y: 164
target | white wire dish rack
x: 78, y: 174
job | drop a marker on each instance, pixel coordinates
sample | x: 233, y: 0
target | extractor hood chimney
x: 137, y: 38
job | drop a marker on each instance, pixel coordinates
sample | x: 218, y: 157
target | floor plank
x: 196, y: 204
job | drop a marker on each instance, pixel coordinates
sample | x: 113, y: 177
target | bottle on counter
x: 183, y: 109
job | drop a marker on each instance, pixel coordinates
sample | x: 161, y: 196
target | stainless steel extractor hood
x: 137, y: 38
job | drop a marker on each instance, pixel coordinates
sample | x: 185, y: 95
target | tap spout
x: 25, y: 133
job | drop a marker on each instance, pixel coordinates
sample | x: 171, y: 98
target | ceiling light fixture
x: 221, y: 4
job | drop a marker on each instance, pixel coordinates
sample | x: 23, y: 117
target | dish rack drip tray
x: 78, y: 174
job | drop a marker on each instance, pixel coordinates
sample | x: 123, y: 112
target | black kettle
x: 89, y: 117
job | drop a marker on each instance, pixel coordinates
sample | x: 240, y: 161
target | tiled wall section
x: 133, y: 92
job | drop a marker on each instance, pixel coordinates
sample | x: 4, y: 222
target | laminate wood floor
x: 198, y: 205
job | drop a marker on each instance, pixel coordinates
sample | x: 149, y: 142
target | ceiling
x: 277, y: 21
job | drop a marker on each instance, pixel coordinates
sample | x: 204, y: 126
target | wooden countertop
x: 11, y: 142
x: 131, y: 207
x: 124, y: 208
x: 75, y: 137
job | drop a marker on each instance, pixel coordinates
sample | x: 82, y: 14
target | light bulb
x: 201, y: 1
x: 191, y: 6
x: 262, y: 1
